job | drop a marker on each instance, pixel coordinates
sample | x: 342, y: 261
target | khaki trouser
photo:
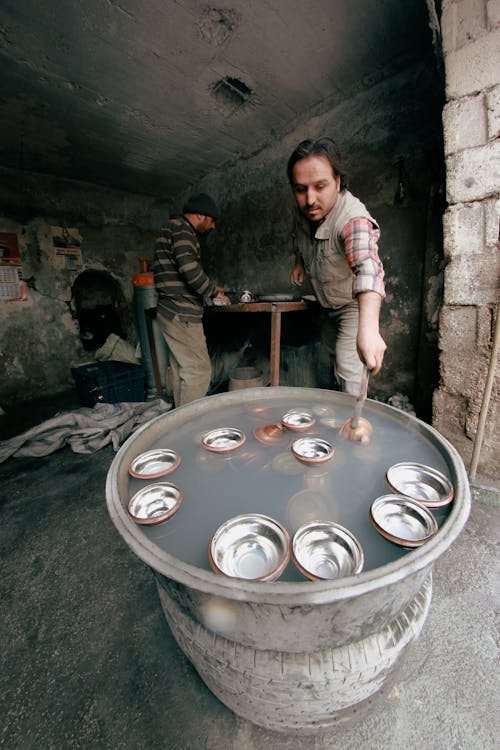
x: 189, y: 358
x: 339, y: 331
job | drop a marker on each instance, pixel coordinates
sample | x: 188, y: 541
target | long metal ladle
x: 357, y: 428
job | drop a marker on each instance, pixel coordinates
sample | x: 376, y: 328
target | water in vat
x: 268, y: 479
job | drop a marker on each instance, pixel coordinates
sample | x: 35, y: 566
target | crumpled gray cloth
x: 85, y: 430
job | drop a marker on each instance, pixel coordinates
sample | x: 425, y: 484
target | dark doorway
x: 101, y: 308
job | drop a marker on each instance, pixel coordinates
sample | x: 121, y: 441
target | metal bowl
x: 297, y: 420
x: 155, y: 503
x: 254, y: 547
x: 325, y: 550
x: 401, y: 520
x: 270, y: 433
x: 223, y: 439
x: 423, y: 483
x: 312, y: 450
x: 154, y: 463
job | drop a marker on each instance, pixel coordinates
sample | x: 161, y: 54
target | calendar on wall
x: 67, y: 245
x: 12, y: 285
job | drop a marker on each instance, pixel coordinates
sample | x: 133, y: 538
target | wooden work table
x: 276, y: 309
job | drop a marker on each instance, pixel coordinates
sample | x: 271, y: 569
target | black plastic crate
x: 109, y: 382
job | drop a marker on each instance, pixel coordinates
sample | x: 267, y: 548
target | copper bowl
x: 155, y: 503
x: 223, y: 439
x: 403, y: 521
x: 323, y: 550
x: 423, y: 483
x: 297, y: 421
x: 312, y: 450
x: 362, y: 433
x: 254, y: 547
x: 154, y: 464
x: 270, y: 433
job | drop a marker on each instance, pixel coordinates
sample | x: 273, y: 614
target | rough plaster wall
x: 39, y: 339
x: 399, y: 117
x: 471, y: 118
x: 129, y: 93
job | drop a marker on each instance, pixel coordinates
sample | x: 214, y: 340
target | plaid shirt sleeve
x: 360, y: 239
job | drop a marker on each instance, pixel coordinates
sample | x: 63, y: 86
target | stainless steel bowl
x: 254, y: 547
x: 423, y: 483
x: 223, y: 439
x: 401, y: 520
x: 155, y: 503
x: 325, y: 550
x: 312, y: 450
x: 297, y: 420
x: 154, y: 463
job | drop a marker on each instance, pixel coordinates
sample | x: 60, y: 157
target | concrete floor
x: 87, y: 660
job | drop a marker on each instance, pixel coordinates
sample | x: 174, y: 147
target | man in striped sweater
x: 182, y: 284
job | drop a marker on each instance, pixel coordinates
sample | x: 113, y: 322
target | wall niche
x: 100, y: 307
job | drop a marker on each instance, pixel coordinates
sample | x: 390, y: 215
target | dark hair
x: 320, y: 147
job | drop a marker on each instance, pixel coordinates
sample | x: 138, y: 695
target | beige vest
x: 324, y: 255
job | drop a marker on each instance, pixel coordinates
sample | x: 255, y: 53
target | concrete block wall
x: 471, y: 229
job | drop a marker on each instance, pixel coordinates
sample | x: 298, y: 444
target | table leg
x: 275, y: 344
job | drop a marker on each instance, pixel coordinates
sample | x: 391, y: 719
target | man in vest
x: 182, y: 284
x: 335, y: 242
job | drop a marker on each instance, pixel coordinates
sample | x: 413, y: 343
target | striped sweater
x: 180, y: 280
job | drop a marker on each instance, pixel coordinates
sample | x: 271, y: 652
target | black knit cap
x: 201, y: 204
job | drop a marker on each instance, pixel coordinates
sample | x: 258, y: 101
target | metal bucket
x: 245, y: 377
x: 296, y: 657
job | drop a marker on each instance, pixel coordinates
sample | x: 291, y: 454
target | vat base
x: 296, y: 693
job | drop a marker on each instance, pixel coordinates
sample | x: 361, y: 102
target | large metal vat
x: 297, y: 657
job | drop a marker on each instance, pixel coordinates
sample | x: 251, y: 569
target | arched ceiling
x: 151, y: 95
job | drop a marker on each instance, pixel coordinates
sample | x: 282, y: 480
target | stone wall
x: 471, y: 121
x: 397, y: 119
x: 40, y: 337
